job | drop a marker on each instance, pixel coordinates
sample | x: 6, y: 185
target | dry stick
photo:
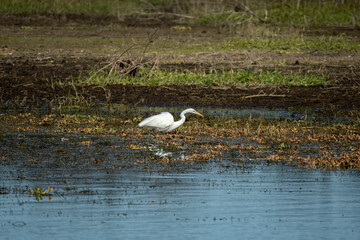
x: 181, y: 15
x: 122, y: 54
x: 148, y: 3
x: 298, y: 5
x: 247, y: 20
x: 135, y: 66
x: 150, y: 38
x: 153, y: 67
x: 230, y: 15
x: 169, y: 13
x: 252, y: 13
x: 264, y: 95
x: 112, y: 63
x: 149, y: 41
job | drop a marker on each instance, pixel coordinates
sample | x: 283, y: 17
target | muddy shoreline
x: 33, y: 73
x: 28, y: 79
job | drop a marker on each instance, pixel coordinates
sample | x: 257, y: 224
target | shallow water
x: 306, y: 114
x: 101, y: 191
x: 259, y: 202
x: 341, y: 115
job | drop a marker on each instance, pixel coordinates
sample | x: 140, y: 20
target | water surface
x: 259, y: 202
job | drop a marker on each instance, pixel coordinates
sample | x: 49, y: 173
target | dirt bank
x: 35, y: 72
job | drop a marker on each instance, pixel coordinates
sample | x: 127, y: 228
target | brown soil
x: 31, y: 74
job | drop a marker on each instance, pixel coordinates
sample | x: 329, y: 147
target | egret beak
x: 198, y: 114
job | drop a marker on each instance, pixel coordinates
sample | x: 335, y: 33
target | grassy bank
x: 288, y: 12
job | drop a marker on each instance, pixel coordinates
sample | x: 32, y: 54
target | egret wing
x: 159, y: 122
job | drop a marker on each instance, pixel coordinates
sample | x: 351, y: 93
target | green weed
x: 161, y: 77
x: 294, y: 43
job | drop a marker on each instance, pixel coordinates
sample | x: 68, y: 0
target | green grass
x: 285, y: 12
x: 220, y: 12
x: 315, y: 13
x: 105, y: 7
x: 295, y: 43
x: 287, y: 43
x: 161, y: 77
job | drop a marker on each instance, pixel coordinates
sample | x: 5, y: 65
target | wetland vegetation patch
x: 305, y: 143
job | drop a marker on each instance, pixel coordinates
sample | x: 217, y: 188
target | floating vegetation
x: 39, y: 193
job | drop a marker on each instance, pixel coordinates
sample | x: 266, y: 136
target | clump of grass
x: 160, y: 77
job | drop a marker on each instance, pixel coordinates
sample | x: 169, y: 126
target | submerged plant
x: 38, y: 192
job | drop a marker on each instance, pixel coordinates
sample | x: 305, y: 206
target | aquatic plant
x: 38, y: 192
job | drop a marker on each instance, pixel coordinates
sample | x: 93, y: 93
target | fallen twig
x: 247, y: 9
x: 264, y: 95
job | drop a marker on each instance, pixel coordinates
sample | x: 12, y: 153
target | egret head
x: 191, y: 110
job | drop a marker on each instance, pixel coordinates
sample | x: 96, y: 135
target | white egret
x: 165, y: 121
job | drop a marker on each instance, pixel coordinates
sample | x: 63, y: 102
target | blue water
x: 102, y: 192
x: 256, y: 202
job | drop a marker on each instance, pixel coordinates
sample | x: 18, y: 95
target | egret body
x: 165, y: 121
